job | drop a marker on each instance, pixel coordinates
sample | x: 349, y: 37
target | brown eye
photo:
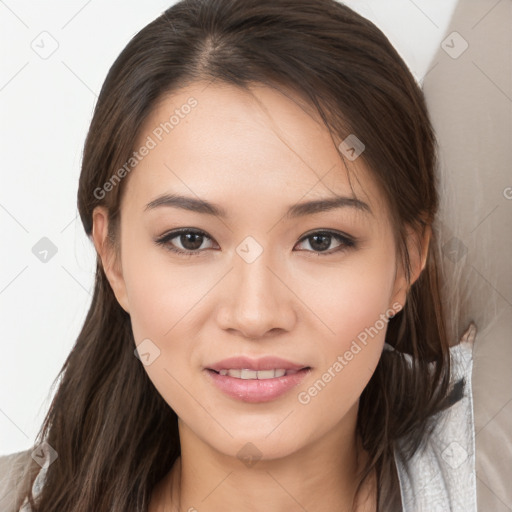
x: 191, y: 241
x: 321, y: 241
x: 184, y: 241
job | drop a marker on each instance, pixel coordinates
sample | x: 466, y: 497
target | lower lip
x: 256, y: 390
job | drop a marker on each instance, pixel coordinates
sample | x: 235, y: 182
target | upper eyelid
x: 170, y: 235
x: 197, y: 231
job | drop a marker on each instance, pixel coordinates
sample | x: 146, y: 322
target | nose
x: 258, y: 300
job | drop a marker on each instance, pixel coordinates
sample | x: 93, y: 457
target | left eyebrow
x: 297, y: 210
x: 324, y: 205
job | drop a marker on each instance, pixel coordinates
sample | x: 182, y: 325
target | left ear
x: 418, y: 242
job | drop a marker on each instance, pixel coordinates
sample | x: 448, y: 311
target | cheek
x: 351, y: 298
x: 358, y: 305
x: 158, y: 307
x: 354, y: 308
x: 162, y: 299
x: 159, y: 293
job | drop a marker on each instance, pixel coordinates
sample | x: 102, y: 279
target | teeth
x: 254, y: 374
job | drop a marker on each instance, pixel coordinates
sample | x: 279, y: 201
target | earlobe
x: 426, y: 243
x: 106, y: 252
x: 422, y: 246
x: 417, y: 245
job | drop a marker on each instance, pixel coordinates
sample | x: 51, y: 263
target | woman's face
x: 268, y: 275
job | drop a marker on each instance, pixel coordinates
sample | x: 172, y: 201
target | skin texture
x: 255, y: 155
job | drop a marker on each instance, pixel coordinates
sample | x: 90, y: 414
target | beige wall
x: 470, y: 98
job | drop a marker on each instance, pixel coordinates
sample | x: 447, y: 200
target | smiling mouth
x: 247, y: 374
x: 256, y: 386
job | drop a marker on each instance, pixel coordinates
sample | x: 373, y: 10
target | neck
x: 321, y: 476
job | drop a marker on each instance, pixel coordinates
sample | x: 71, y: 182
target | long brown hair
x: 115, y: 435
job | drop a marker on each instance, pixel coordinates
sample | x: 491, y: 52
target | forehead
x: 217, y: 140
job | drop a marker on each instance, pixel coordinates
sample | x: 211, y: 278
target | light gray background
x: 46, y: 103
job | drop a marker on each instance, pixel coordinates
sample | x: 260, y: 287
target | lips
x: 264, y: 363
x: 256, y: 390
x: 250, y: 380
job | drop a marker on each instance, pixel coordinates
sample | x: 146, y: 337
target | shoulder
x: 13, y: 470
x: 441, y: 475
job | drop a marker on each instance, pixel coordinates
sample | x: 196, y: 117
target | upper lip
x: 264, y: 363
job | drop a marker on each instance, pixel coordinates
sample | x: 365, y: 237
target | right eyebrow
x: 187, y: 203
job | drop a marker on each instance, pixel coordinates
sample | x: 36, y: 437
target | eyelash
x: 347, y: 242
